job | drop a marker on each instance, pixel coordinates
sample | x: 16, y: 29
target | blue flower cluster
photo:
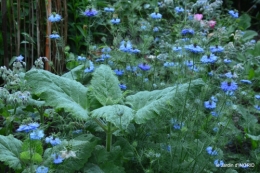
x: 233, y: 13
x: 178, y: 10
x: 91, y: 68
x: 126, y: 46
x: 54, y: 18
x: 194, y: 48
x: 209, y: 59
x: 42, y: 169
x: 210, y: 151
x: 90, y: 12
x: 52, y: 140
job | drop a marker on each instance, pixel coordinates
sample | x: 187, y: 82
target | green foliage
x: 59, y: 92
x: 119, y: 115
x: 244, y: 22
x: 105, y: 86
x: 28, y: 157
x: 153, y: 104
x: 249, y: 35
x: 82, y: 145
x: 10, y: 149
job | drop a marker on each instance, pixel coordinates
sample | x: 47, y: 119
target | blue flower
x: 233, y: 13
x: 143, y: 27
x: 178, y: 9
x: 257, y: 97
x: 227, y: 61
x: 194, y: 48
x: 125, y: 46
x: 210, y: 104
x: 177, y: 49
x: 132, y: 69
x: 144, y: 66
x: 81, y: 58
x: 187, y: 32
x: 37, y: 134
x: 54, y: 36
x: 105, y: 56
x: 42, y: 169
x: 27, y: 128
x: 218, y: 163
x: 77, y: 131
x: 156, y: 15
x: 57, y: 158
x: 134, y: 51
x: 109, y: 9
x: 211, y: 152
x: 257, y: 107
x: 215, y: 129
x: 100, y: 60
x: 214, y: 99
x: 155, y: 29
x: 90, y: 12
x: 189, y: 63
x: 90, y: 68
x: 168, y: 64
x: 115, y: 21
x: 106, y: 50
x: 122, y: 86
x: 246, y: 81
x: 216, y: 49
x: 54, y: 18
x: 119, y: 72
x: 209, y: 59
x: 194, y: 68
x: 230, y: 75
x: 214, y: 114
x: 52, y: 141
x: 228, y: 86
x: 19, y: 58
x: 177, y: 125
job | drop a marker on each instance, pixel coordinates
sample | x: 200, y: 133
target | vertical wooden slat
x: 48, y: 32
x: 4, y: 32
x: 32, y: 23
x: 18, y: 34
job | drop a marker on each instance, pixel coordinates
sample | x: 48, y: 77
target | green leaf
x: 119, y: 115
x: 59, y: 92
x: 255, y: 138
x: 36, y: 157
x: 244, y: 22
x: 35, y: 145
x: 249, y: 35
x: 106, y: 86
x: 151, y: 104
x: 74, y: 73
x: 10, y: 149
x: 82, y: 145
x: 92, y: 168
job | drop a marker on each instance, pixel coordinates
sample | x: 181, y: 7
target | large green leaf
x: 82, y: 146
x: 10, y: 149
x: 59, y: 92
x: 248, y: 35
x: 119, y: 115
x: 106, y: 86
x: 149, y: 105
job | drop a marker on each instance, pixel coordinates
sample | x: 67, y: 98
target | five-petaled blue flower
x: 210, y: 151
x: 81, y: 58
x: 52, y: 140
x: 233, y: 13
x: 119, y: 72
x: 36, y: 134
x: 194, y: 48
x: 156, y: 15
x: 90, y: 12
x: 209, y: 59
x: 218, y: 163
x: 246, y: 81
x: 115, y: 21
x: 54, y: 18
x: 228, y: 86
x: 216, y: 49
x: 210, y: 104
x: 57, y: 159
x: 187, y: 32
x: 109, y: 9
x: 144, y: 66
x: 27, y: 128
x: 178, y: 9
x: 54, y: 36
x: 122, y: 86
x: 19, y: 58
x: 42, y: 169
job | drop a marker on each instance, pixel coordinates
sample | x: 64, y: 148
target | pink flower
x: 212, y: 23
x: 198, y: 17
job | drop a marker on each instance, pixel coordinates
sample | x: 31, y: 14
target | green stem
x: 109, y: 137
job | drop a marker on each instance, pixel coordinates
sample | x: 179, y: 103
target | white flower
x: 65, y: 154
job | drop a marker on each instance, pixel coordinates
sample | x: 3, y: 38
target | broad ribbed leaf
x: 113, y: 113
x: 106, y: 86
x: 149, y: 105
x: 82, y: 146
x: 10, y: 149
x: 59, y: 92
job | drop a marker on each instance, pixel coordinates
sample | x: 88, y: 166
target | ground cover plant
x: 159, y: 86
